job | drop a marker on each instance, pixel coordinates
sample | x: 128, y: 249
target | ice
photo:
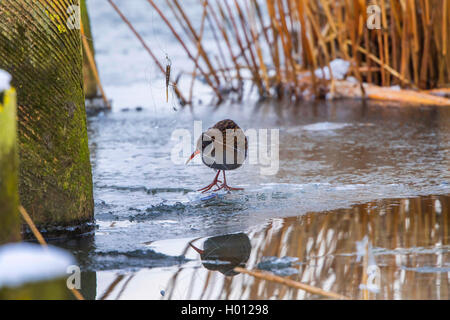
x: 325, y: 126
x: 279, y: 266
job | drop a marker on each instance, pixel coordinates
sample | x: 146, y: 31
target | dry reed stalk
x: 385, y: 38
x: 32, y: 226
x: 255, y: 38
x: 291, y: 283
x: 222, y: 70
x: 368, y: 61
x: 147, y: 48
x: 287, y: 43
x: 308, y: 55
x: 179, y: 19
x: 93, y: 66
x: 194, y: 73
x: 244, y: 25
x: 208, y: 80
x: 321, y: 40
x: 196, y: 37
x: 385, y: 66
x: 252, y: 66
x: 227, y: 41
x: 406, y: 96
x: 264, y: 29
x: 426, y: 23
x: 354, y: 38
x: 404, y: 71
x: 274, y: 45
x: 250, y: 47
x: 415, y: 33
x: 444, y: 28
x: 278, y: 32
x: 223, y: 64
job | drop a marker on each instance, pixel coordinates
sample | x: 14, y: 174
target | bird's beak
x: 193, y: 155
x: 200, y: 251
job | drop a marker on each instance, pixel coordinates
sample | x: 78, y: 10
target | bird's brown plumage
x: 220, y: 154
x: 223, y: 126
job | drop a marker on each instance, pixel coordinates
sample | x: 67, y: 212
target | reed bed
x: 279, y: 44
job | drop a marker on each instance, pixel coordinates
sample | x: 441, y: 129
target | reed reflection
x: 386, y: 249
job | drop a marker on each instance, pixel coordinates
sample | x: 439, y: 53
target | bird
x: 222, y: 147
x: 231, y: 249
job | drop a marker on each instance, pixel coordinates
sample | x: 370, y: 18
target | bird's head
x: 203, y: 141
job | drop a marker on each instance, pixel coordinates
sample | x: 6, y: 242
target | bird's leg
x: 225, y: 186
x: 209, y: 186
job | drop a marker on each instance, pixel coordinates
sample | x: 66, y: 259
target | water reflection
x: 386, y: 249
x: 224, y: 253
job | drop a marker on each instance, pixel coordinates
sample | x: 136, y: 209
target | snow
x: 24, y: 263
x: 339, y: 68
x: 5, y: 79
x: 395, y: 88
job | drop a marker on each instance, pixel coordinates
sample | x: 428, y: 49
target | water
x: 361, y: 188
x: 356, y: 170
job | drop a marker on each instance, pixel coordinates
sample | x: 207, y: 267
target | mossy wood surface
x: 43, y: 290
x: 44, y: 56
x: 9, y: 169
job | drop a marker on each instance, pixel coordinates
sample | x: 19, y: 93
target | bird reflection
x: 224, y: 253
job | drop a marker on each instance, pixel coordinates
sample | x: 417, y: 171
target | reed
x: 283, y: 42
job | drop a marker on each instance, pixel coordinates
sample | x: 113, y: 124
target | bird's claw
x: 227, y: 188
x: 210, y: 186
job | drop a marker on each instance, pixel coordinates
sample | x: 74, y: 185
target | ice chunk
x: 279, y: 266
x: 325, y: 126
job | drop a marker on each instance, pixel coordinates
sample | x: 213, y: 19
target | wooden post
x: 40, y: 46
x: 54, y: 289
x: 9, y: 168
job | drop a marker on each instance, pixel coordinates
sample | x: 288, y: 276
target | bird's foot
x: 227, y: 188
x: 210, y: 186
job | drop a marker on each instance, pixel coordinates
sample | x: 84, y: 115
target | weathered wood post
x: 9, y: 168
x: 40, y: 46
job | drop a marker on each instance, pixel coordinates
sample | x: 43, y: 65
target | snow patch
x: 339, y: 68
x: 5, y: 79
x: 24, y: 263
